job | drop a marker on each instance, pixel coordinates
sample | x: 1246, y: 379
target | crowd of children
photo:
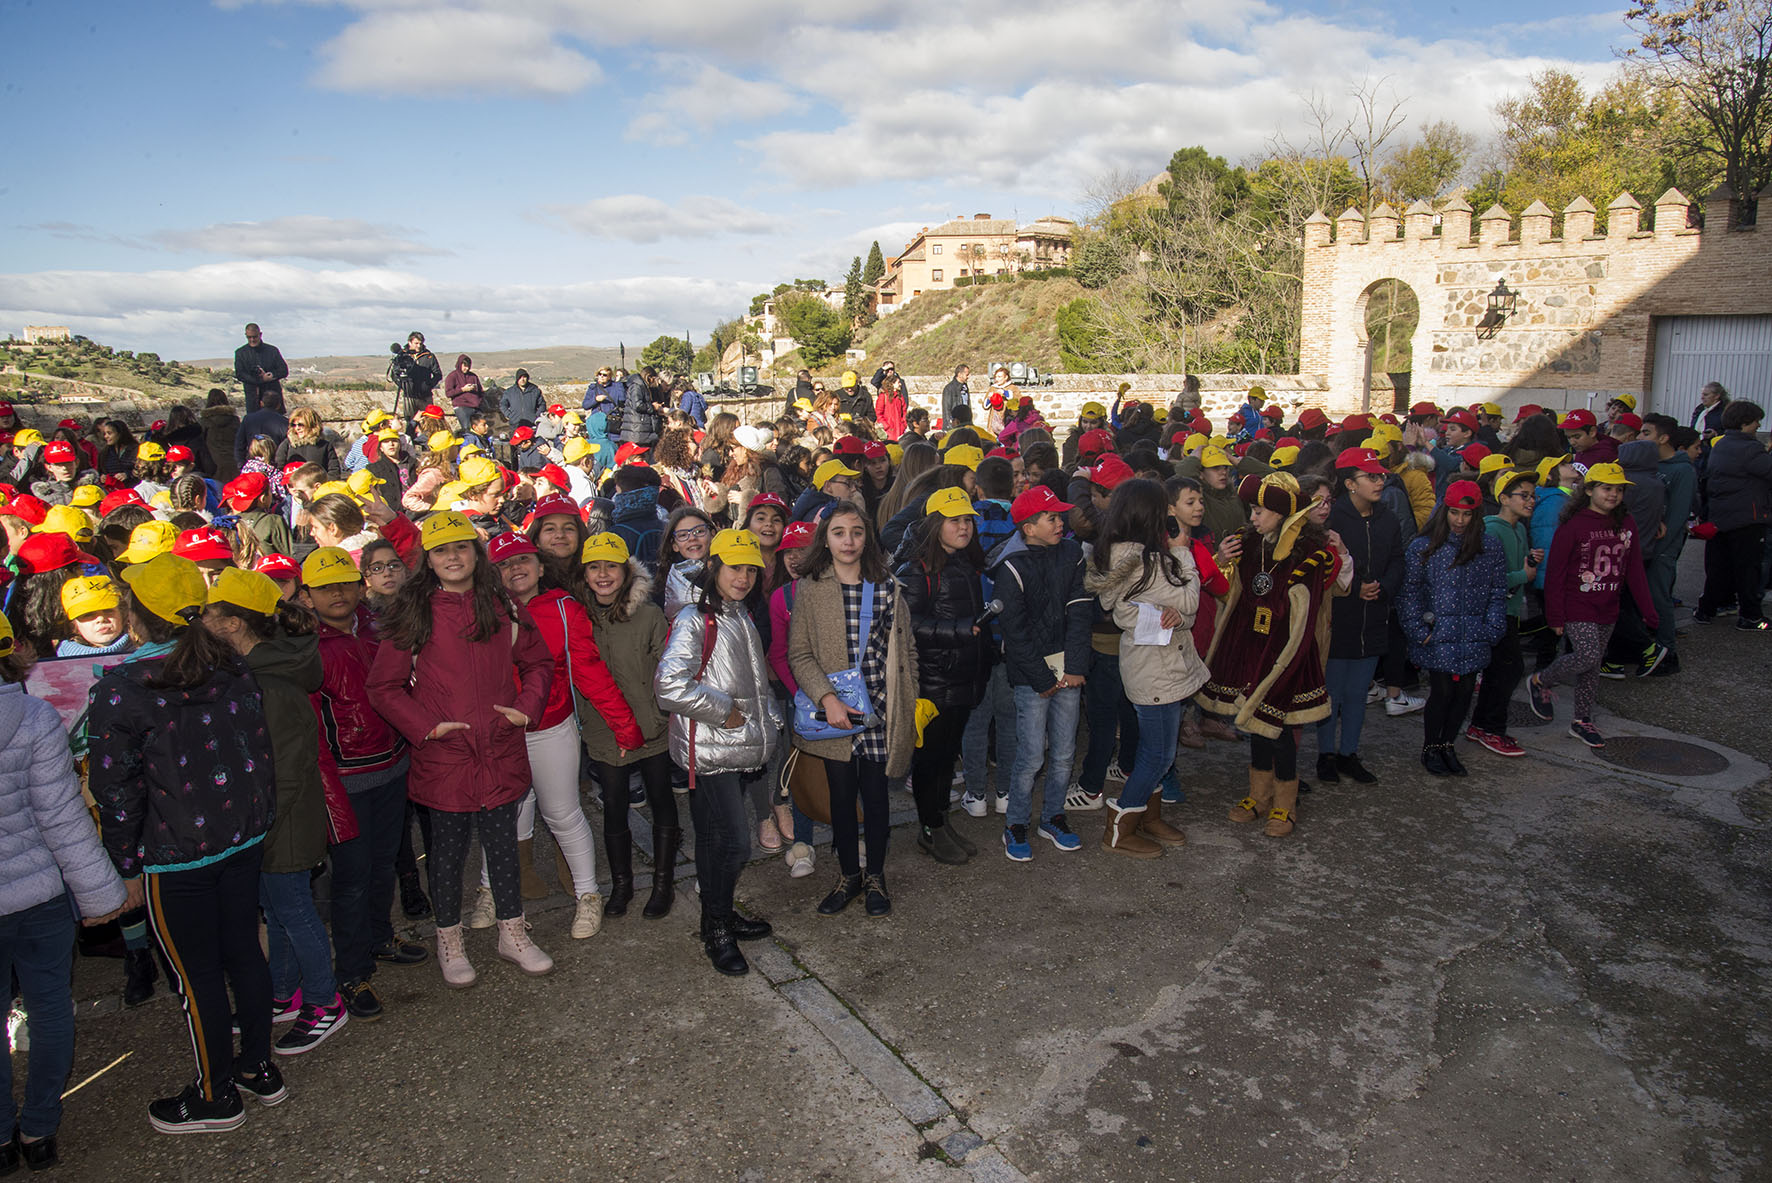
x: 296, y: 662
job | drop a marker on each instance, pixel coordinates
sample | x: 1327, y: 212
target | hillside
x: 89, y: 371
x: 559, y: 363
x: 996, y: 322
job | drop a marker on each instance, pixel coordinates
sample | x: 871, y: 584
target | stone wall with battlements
x: 1588, y: 294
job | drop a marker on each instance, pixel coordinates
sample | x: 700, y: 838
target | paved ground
x: 1557, y: 968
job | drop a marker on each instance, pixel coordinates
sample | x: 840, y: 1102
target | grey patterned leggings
x: 1587, y: 642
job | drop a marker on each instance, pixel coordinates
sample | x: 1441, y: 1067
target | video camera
x: 401, y: 367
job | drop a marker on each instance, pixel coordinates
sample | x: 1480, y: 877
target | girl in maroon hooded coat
x: 461, y: 672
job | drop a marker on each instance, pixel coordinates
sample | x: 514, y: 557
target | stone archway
x: 1387, y: 319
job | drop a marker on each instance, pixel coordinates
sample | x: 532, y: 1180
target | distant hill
x: 1006, y: 322
x: 558, y: 363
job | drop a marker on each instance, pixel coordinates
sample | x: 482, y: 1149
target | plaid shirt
x: 870, y: 744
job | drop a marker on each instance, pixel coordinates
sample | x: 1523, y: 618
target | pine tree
x: 876, y: 267
x: 854, y: 297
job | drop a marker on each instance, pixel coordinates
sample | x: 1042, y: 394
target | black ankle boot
x: 1434, y: 761
x: 1453, y: 764
x: 618, y: 848
x: 848, y: 887
x: 1327, y: 770
x: 746, y: 929
x: 412, y: 895
x: 139, y: 973
x: 722, y: 949
x: 664, y: 872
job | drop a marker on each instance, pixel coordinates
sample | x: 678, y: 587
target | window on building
x: 935, y: 276
x: 935, y: 248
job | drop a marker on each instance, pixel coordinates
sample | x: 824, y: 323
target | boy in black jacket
x: 1045, y: 624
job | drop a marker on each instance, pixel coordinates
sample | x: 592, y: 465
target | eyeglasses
x: 1527, y: 493
x: 383, y: 568
x: 686, y: 533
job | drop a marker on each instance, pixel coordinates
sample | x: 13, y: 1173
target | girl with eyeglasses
x: 682, y: 552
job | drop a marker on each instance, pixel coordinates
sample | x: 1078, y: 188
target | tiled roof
x: 964, y: 226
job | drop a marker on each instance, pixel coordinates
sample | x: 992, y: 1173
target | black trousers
x: 655, y: 776
x: 1448, y: 701
x: 866, y: 779
x: 1280, y: 756
x: 932, y: 767
x: 1732, y: 570
x: 1506, y: 666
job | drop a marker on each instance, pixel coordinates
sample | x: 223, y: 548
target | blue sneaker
x: 1058, y: 832
x: 1015, y: 844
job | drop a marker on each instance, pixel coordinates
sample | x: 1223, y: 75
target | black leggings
x: 498, y: 839
x: 1448, y: 700
x: 849, y: 779
x: 655, y: 775
x: 1279, y: 756
x: 932, y: 766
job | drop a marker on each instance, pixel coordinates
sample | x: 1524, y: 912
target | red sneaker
x: 1501, y: 745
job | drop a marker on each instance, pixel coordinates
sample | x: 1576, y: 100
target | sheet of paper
x: 1150, y: 630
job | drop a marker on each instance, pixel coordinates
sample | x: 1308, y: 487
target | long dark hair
x: 667, y: 543
x: 818, y: 554
x: 1439, y: 529
x: 932, y: 556
x: 196, y: 655
x: 288, y: 619
x: 707, y: 591
x: 1139, y: 512
x: 36, y: 610
x: 564, y: 571
x: 406, y: 622
x: 1582, y: 499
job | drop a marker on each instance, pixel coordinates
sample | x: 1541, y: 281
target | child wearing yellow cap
x: 94, y: 609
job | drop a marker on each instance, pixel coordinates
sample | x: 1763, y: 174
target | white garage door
x: 1693, y: 350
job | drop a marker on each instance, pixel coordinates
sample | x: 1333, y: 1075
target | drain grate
x: 1662, y: 757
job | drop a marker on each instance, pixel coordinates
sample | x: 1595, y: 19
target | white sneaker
x: 954, y: 796
x: 587, y: 921
x: 1404, y: 704
x: 1079, y: 798
x: 1114, y: 772
x: 482, y: 914
x: 974, y: 806
x: 1002, y: 803
x: 799, y: 858
x: 1375, y: 693
x: 960, y: 776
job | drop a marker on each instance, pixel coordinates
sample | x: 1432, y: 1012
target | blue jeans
x: 38, y: 945
x: 1158, y: 729
x: 1660, y: 572
x: 1109, y: 712
x: 1044, y: 728
x: 999, y: 703
x: 363, y: 879
x: 722, y: 839
x: 1347, y: 680
x: 300, y: 953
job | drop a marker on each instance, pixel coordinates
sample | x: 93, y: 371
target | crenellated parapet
x: 1450, y: 226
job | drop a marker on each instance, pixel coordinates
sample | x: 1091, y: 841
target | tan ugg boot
x: 515, y: 946
x: 1155, y: 828
x: 1260, y: 798
x: 1284, y: 812
x: 534, y: 887
x: 1122, y: 836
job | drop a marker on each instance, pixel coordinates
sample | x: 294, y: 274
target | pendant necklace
x: 1263, y: 583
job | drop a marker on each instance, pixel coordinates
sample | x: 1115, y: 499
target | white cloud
x: 194, y: 312
x: 710, y: 98
x: 453, y: 51
x: 342, y: 240
x: 635, y: 217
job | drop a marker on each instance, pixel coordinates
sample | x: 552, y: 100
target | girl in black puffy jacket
x: 944, y: 589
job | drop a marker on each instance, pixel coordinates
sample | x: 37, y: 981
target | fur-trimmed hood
x: 631, y: 648
x: 1152, y: 674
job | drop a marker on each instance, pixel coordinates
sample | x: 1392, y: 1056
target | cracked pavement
x: 1554, y: 969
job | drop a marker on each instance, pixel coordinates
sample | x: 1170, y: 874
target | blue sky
x: 509, y: 173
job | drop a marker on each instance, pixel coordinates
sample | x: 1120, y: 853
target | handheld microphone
x: 991, y: 611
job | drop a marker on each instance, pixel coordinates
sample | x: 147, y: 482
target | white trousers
x: 553, y: 770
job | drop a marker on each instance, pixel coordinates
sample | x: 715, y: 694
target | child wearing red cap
x: 62, y: 473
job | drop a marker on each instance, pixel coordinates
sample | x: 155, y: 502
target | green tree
x: 1429, y: 167
x: 668, y: 353
x: 875, y: 269
x: 820, y: 331
x: 1559, y: 143
x: 854, y: 297
x: 1078, y: 344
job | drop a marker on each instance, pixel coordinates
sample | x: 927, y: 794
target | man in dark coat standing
x: 955, y: 394
x: 260, y: 367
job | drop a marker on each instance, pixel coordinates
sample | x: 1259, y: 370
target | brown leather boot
x: 1122, y: 836
x: 534, y: 886
x: 1284, y: 811
x: 1190, y: 734
x: 1260, y: 798
x: 1155, y: 828
x: 1213, y: 727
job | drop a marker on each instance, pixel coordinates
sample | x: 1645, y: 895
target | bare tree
x: 1375, y: 120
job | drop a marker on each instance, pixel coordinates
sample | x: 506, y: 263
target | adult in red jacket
x: 553, y: 738
x: 461, y: 672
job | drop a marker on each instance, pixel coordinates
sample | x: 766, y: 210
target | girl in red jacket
x: 461, y: 672
x: 553, y: 739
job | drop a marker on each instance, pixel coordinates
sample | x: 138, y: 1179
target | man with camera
x: 415, y: 373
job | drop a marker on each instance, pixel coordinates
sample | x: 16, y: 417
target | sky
x: 521, y: 173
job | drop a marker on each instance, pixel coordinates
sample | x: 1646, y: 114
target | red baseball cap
x: 850, y: 445
x: 49, y: 552
x: 1272, y: 412
x: 70, y: 424
x: 31, y: 509
x: 521, y: 434
x: 1473, y: 454
x: 1424, y: 409
x: 157, y: 425
x: 432, y: 409
x: 205, y: 542
x: 1110, y: 472
x: 508, y: 546
x: 244, y: 489
x: 1036, y: 501
x: 1360, y: 459
x: 278, y: 567
x: 1265, y: 433
x: 630, y: 453
x: 1464, y: 419
x: 1390, y: 419
x: 1002, y: 452
x: 179, y: 454
x: 556, y: 408
x: 551, y: 505
x: 798, y: 534
x: 1463, y: 495
x: 1312, y: 417
x: 61, y: 452
x: 1095, y: 442
x: 1236, y: 417
x: 1357, y: 422
x: 5, y: 408
x: 875, y: 450
x: 1527, y: 410
x: 555, y: 476
x: 1287, y: 441
x: 289, y: 469
x: 1629, y: 419
x: 767, y: 499
x: 1578, y: 420
x: 120, y: 498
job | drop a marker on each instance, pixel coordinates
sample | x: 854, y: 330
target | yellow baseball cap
x: 168, y: 586
x: 327, y: 566
x: 147, y: 450
x: 6, y: 637
x: 374, y: 419
x: 328, y: 488
x: 1547, y: 468
x: 1196, y: 440
x: 448, y: 494
x: 578, y: 447
x: 830, y: 470
x: 388, y: 433
x: 246, y: 589
x: 1283, y: 456
x: 1607, y: 474
x: 849, y: 378
x: 66, y: 519
x: 440, y: 529
x: 478, y: 470
x: 1221, y: 442
x: 604, y: 548
x: 362, y: 482
x: 1494, y: 461
x: 574, y: 417
x: 89, y: 593
x: 148, y: 540
x: 1386, y: 431
x: 1214, y: 458
x: 470, y: 450
x: 737, y: 548
x: 895, y: 454
x: 1160, y: 414
x: 31, y: 435
x: 926, y: 712
x: 1630, y: 404
x: 949, y: 503
x: 1096, y: 409
x: 966, y: 455
x: 802, y: 404
x: 1490, y: 408
x: 442, y: 440
x: 86, y: 495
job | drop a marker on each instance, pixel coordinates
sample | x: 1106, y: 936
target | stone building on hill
x: 972, y: 248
